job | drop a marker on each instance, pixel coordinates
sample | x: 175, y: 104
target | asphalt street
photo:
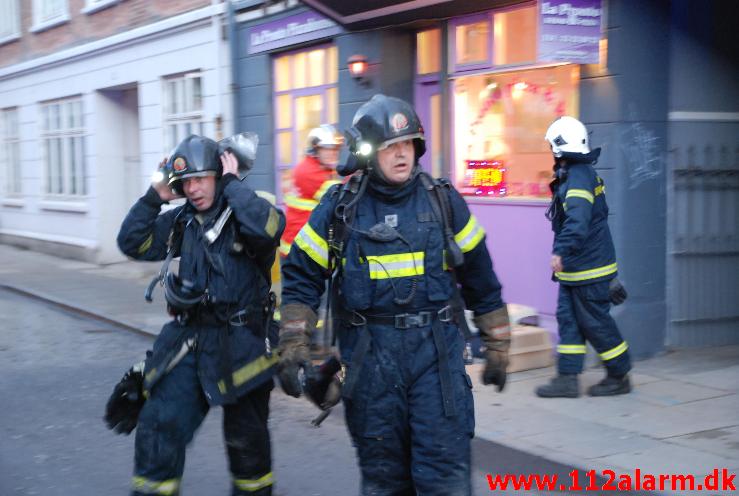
x: 57, y: 369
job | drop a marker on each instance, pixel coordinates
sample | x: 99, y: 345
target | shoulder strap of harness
x: 438, y: 191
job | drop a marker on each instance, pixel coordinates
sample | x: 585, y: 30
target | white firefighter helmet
x: 323, y: 136
x: 568, y: 135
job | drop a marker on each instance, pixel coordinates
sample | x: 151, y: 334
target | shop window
x: 10, y: 151
x: 306, y: 96
x: 472, y: 42
x: 10, y: 27
x: 514, y: 36
x: 183, y: 108
x: 428, y: 51
x: 499, y: 127
x: 62, y: 135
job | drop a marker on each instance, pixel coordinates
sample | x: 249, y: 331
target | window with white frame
x: 10, y: 26
x: 10, y: 151
x: 183, y: 108
x: 92, y: 6
x: 49, y: 11
x: 62, y: 138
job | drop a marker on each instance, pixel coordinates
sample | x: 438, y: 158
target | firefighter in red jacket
x: 311, y: 179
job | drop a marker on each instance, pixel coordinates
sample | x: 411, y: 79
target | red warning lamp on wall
x: 357, y: 67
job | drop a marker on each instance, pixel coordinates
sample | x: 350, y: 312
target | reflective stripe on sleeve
x: 324, y: 187
x: 313, y: 245
x: 146, y: 244
x: 284, y: 248
x: 298, y: 203
x: 250, y: 371
x: 580, y: 193
x: 470, y: 236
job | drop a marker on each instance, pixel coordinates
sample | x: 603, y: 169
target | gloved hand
x: 124, y: 405
x: 323, y: 383
x: 495, y: 333
x: 617, y: 292
x: 297, y: 323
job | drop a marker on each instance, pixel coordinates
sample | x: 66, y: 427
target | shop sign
x: 291, y: 30
x: 484, y: 178
x: 570, y: 31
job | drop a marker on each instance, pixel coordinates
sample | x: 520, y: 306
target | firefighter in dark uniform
x: 382, y: 235
x: 216, y: 351
x: 584, y: 263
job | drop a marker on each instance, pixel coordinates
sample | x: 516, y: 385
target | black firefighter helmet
x: 198, y: 156
x: 379, y: 123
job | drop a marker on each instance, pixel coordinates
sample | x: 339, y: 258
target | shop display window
x: 428, y: 51
x: 499, y: 124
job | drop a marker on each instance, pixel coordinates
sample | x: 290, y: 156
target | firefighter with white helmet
x: 584, y: 263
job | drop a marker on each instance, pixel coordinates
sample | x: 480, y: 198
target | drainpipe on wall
x: 235, y: 83
x: 217, y: 36
x: 445, y: 107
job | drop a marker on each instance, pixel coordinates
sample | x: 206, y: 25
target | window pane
x: 332, y: 105
x: 428, y: 55
x: 299, y: 70
x: 196, y: 102
x: 333, y: 65
x: 316, y: 67
x: 284, y: 111
x: 72, y: 149
x: 472, y: 43
x: 500, y: 122
x: 54, y: 116
x: 436, y: 136
x: 58, y: 172
x: 307, y: 116
x: 282, y: 73
x: 284, y: 148
x: 514, y: 36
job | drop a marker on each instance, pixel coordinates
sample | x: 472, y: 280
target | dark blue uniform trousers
x: 405, y: 442
x: 168, y: 421
x: 583, y: 314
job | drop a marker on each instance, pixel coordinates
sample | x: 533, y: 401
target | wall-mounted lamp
x: 358, y: 67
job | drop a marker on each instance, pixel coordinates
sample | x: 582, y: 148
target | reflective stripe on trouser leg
x: 592, y: 308
x: 571, y: 347
x: 168, y: 420
x: 248, y: 444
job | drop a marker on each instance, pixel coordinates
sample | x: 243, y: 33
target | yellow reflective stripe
x: 470, y: 236
x: 584, y: 275
x: 249, y: 371
x: 614, y: 352
x: 313, y: 245
x: 285, y: 247
x: 273, y: 222
x: 580, y: 193
x: 571, y: 349
x: 396, y: 265
x: 324, y: 187
x: 146, y: 244
x: 147, y: 486
x: 599, y: 190
x: 252, y: 485
x: 300, y: 203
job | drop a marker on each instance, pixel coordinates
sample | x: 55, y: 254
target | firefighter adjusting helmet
x: 195, y: 156
x: 568, y: 135
x: 323, y: 136
x: 382, y: 121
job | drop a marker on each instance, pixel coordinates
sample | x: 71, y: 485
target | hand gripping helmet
x: 382, y: 121
x: 198, y: 156
x: 568, y: 135
x: 323, y: 136
x: 195, y: 156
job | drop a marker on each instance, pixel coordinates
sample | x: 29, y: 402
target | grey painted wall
x: 625, y: 106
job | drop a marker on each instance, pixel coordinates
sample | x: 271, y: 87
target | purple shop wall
x: 519, y: 239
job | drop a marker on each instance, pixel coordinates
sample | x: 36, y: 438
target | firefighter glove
x: 124, y: 405
x: 495, y: 333
x: 297, y: 324
x: 617, y: 292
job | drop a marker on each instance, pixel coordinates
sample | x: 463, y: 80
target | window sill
x: 52, y: 23
x: 64, y: 206
x: 95, y: 7
x: 10, y: 38
x: 516, y: 200
x: 13, y: 202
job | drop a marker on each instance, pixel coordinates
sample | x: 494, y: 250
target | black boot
x: 611, y: 386
x: 562, y: 386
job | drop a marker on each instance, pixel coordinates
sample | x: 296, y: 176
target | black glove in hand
x: 616, y: 292
x: 495, y: 333
x: 124, y: 405
x: 294, y: 356
x: 496, y: 363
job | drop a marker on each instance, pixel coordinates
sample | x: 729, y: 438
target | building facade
x: 93, y: 94
x: 486, y: 88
